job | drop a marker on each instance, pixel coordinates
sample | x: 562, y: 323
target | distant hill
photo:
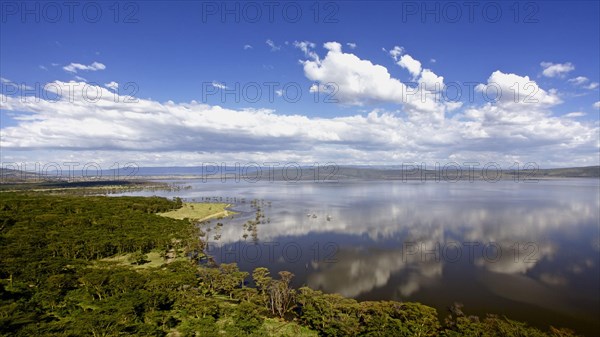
x: 10, y: 175
x: 588, y: 172
x: 324, y: 173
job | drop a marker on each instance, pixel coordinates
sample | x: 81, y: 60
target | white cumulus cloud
x: 307, y: 47
x: 408, y: 62
x: 556, y: 69
x: 358, y: 82
x: 575, y: 114
x: 184, y: 133
x: 396, y: 52
x: 581, y: 81
x: 74, y: 67
x: 218, y: 85
x: 112, y: 85
x: 513, y: 91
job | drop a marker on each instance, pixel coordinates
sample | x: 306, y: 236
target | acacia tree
x: 262, y: 279
x: 281, y: 295
x: 231, y: 278
x: 209, y: 280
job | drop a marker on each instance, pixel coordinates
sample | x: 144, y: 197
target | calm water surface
x: 526, y: 250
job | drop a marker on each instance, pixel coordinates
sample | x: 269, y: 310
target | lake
x: 529, y: 251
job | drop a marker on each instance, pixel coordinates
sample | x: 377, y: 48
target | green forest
x: 59, y: 277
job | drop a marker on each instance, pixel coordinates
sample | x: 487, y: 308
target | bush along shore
x: 102, y: 266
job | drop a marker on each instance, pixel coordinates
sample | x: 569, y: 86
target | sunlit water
x: 529, y: 251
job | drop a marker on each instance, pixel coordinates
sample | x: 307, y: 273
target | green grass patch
x: 275, y: 327
x: 199, y: 211
x: 154, y: 260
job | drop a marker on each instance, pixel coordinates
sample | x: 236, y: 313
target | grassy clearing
x: 199, y: 211
x: 272, y: 327
x: 275, y: 327
x: 154, y: 260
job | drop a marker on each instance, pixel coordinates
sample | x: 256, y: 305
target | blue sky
x: 173, y: 53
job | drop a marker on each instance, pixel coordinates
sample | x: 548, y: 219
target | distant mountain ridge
x: 305, y: 173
